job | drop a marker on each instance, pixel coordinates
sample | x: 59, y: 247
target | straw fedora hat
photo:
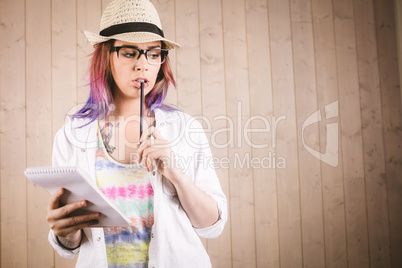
x: 134, y: 21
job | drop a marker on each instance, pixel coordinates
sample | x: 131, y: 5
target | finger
x: 149, y: 165
x: 55, y: 199
x: 157, y: 135
x: 140, y: 152
x: 63, y: 211
x: 145, y: 145
x: 155, y: 144
x: 68, y: 230
x: 152, y: 146
x: 157, y: 151
x: 64, y: 223
x: 147, y: 162
x: 159, y: 160
x: 145, y: 152
x: 78, y: 220
x: 150, y: 156
x: 151, y: 131
x: 146, y: 134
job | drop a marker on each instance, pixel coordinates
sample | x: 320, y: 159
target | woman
x: 169, y: 204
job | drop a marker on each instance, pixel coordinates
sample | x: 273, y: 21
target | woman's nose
x: 142, y: 63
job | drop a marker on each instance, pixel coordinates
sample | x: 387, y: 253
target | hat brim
x: 131, y: 37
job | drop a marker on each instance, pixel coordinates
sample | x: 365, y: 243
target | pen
x: 141, y: 106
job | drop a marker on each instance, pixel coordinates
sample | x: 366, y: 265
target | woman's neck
x: 128, y: 107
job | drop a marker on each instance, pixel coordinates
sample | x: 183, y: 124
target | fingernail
x: 83, y: 203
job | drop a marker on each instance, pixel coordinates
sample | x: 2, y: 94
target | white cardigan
x: 174, y: 241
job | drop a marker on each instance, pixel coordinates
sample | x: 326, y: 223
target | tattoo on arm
x: 107, y: 133
x: 68, y: 243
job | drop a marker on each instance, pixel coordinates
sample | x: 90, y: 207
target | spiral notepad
x: 77, y: 186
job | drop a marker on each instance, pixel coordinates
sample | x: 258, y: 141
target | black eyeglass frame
x: 164, y: 52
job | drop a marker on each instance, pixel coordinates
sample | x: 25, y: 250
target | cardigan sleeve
x: 61, y: 151
x: 206, y: 179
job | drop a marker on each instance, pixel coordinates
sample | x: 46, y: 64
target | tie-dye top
x: 128, y: 187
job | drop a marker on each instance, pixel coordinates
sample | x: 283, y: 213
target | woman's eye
x: 129, y: 55
x: 154, y: 54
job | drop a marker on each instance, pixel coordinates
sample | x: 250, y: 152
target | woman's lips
x: 137, y: 83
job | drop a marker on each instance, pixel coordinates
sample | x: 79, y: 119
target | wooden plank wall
x: 398, y: 20
x: 254, y: 72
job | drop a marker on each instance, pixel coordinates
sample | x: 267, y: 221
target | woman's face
x: 127, y: 74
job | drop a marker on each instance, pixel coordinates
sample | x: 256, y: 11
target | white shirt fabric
x: 174, y: 241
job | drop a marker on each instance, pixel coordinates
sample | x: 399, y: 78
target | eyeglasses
x: 130, y: 55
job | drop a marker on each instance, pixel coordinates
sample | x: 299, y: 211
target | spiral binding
x: 50, y: 170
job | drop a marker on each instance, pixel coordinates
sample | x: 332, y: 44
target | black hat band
x: 131, y: 27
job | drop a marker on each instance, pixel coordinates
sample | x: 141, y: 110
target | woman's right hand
x: 68, y: 229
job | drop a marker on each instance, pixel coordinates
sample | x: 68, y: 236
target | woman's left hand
x: 157, y: 153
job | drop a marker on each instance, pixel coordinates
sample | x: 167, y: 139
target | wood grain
x: 38, y: 126
x: 214, y: 112
x: 327, y: 93
x: 88, y: 17
x: 238, y: 110
x: 188, y: 57
x: 288, y: 185
x: 373, y: 140
x: 13, y: 134
x: 167, y: 14
x: 262, y: 119
x: 306, y: 104
x: 398, y: 25
x: 392, y: 120
x: 351, y: 135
